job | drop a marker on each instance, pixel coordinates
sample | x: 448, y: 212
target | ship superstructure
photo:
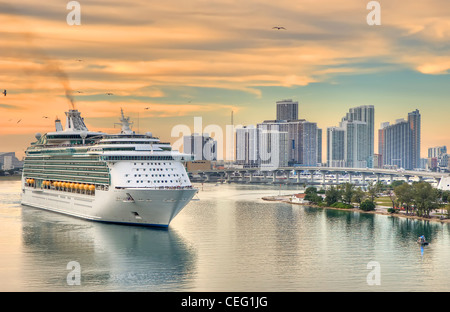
x: 121, y: 178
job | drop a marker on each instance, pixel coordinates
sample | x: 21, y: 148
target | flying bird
x: 147, y: 107
x: 4, y: 92
x: 44, y: 117
x: 278, y: 27
x: 79, y: 91
x: 109, y: 93
x: 19, y: 120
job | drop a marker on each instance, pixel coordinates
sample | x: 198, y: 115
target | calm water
x: 230, y: 240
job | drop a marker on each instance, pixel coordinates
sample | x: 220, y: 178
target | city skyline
x: 166, y: 63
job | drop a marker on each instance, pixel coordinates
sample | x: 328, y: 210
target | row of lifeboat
x: 64, y: 185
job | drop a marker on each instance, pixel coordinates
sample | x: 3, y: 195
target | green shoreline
x: 284, y: 199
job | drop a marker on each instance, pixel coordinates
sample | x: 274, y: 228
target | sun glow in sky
x: 166, y: 62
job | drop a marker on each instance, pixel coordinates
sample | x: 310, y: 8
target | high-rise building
x: 399, y: 143
x: 335, y: 147
x: 200, y: 146
x: 397, y: 151
x: 319, y: 146
x: 355, y: 144
x: 364, y: 113
x: 287, y: 110
x: 415, y: 125
x: 247, y: 146
x: 355, y: 134
x: 273, y: 145
x: 302, y: 140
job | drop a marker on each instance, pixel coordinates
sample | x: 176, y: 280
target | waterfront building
x: 9, y: 161
x: 302, y: 139
x: 397, y: 149
x: 414, y: 120
x: 200, y: 146
x: 273, y: 145
x: 335, y: 147
x: 247, y: 150
x: 319, y: 146
x: 364, y: 113
x: 355, y: 143
x: 399, y: 143
x: 287, y: 110
x: 440, y: 155
x: 351, y: 144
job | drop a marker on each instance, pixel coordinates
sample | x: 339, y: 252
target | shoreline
x: 11, y: 177
x: 380, y: 211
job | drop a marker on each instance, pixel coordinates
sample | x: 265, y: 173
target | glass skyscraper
x: 400, y: 142
x: 352, y: 143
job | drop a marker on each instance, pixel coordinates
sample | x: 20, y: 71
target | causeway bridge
x: 312, y: 175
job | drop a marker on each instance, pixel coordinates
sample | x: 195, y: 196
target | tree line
x: 417, y: 198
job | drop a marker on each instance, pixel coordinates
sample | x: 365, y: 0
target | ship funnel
x: 74, y: 121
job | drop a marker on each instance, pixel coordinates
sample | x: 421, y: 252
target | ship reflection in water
x: 111, y: 257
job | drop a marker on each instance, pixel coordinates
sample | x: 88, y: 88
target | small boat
x: 422, y: 241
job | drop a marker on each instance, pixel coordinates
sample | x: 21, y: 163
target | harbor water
x: 228, y: 240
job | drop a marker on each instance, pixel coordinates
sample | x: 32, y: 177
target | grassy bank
x: 380, y: 209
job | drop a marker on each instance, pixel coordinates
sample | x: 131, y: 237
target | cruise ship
x: 125, y: 178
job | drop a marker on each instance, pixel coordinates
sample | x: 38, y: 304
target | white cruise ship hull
x: 137, y: 206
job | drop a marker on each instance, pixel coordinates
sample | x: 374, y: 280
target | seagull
x: 4, y: 92
x: 147, y: 107
x: 19, y: 120
x: 44, y: 117
x: 278, y: 27
x: 79, y: 60
x: 79, y: 91
x: 109, y: 93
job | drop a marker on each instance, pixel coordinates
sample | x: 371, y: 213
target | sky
x: 166, y: 62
